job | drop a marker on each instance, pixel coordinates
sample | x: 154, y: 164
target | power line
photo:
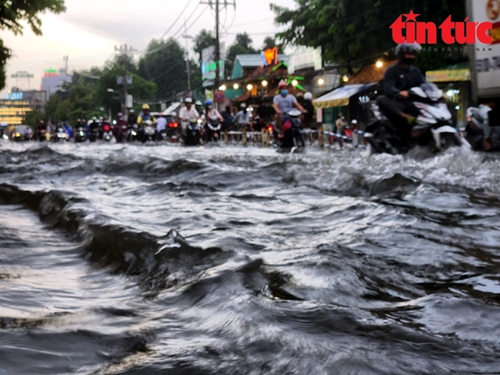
x: 177, y: 19
x: 253, y: 22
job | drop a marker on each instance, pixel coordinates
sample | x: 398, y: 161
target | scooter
x: 61, y: 134
x: 107, y: 134
x: 193, y: 133
x: 434, y: 127
x: 80, y: 135
x: 134, y: 133
x: 149, y: 132
x: 213, y: 129
x: 292, y: 140
x: 474, y: 131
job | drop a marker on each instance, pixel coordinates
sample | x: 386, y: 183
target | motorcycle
x: 107, y: 134
x: 474, y: 131
x: 61, y: 134
x: 193, y: 134
x: 434, y: 127
x: 293, y: 138
x: 133, y: 136
x: 149, y: 132
x: 124, y: 134
x: 94, y: 134
x: 213, y: 129
x: 80, y: 135
x: 172, y: 132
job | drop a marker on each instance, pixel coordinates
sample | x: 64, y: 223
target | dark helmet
x: 407, y: 48
x: 266, y: 99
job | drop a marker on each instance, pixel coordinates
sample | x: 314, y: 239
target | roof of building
x: 370, y: 73
x: 254, y: 60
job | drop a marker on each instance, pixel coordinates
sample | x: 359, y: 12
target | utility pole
x: 226, y: 3
x: 125, y: 50
x: 187, y: 37
x: 66, y: 59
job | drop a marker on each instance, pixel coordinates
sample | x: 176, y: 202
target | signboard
x: 448, y: 75
x: 119, y: 80
x: 208, y: 65
x: 305, y: 58
x: 219, y: 97
x: 15, y: 95
x: 487, y: 56
x: 22, y: 75
x: 50, y: 73
x: 269, y: 57
x: 130, y: 101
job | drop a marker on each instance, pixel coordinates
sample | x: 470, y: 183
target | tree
x: 164, y: 64
x: 242, y: 46
x: 14, y: 12
x: 203, y: 40
x: 355, y: 32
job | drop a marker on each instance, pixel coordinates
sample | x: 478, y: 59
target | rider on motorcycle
x: 187, y: 113
x: 42, y: 128
x: 119, y: 127
x: 284, y: 103
x: 145, y: 115
x: 399, y: 79
x: 199, y: 107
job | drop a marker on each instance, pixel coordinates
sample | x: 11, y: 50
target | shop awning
x: 340, y: 97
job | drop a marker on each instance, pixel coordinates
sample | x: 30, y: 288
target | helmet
x: 198, y: 103
x: 145, y: 106
x: 308, y: 96
x: 132, y: 111
x: 208, y: 102
x: 120, y: 114
x: 411, y: 48
x: 266, y: 99
x: 188, y: 100
x: 282, y: 84
x: 354, y: 122
x: 243, y: 105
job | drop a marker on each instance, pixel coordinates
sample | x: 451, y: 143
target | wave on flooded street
x: 125, y: 259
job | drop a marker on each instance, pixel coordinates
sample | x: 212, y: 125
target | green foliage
x: 165, y: 65
x: 12, y: 15
x: 355, y: 32
x: 33, y: 118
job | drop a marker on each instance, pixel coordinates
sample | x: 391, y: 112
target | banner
x: 208, y: 65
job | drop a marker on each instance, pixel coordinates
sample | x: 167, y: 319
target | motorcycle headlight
x: 134, y: 133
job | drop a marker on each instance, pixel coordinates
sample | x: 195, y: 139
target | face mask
x: 409, y: 60
x: 284, y: 92
x: 210, y: 107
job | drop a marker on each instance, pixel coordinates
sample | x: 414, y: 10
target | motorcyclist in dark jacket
x: 396, y: 103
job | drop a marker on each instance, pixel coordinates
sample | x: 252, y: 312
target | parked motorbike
x: 434, y: 127
x: 107, y: 134
x: 193, y: 133
x: 213, y: 129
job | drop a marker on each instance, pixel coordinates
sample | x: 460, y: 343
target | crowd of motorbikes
x: 434, y: 128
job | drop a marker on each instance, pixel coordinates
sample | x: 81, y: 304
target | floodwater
x: 129, y: 259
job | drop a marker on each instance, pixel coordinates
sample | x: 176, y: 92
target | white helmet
x: 308, y: 96
x: 354, y: 122
x: 198, y: 103
x: 188, y: 100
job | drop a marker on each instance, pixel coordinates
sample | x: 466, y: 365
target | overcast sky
x: 88, y: 31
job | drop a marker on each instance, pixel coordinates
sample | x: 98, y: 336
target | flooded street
x: 126, y: 259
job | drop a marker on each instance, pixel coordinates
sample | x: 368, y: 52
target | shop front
x: 456, y: 85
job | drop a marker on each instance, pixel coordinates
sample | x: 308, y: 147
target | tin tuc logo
x: 413, y: 31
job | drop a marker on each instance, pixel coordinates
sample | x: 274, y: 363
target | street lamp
x: 345, y: 78
x: 321, y: 81
x: 223, y: 88
x: 379, y: 64
x: 264, y: 83
x: 236, y: 86
x: 295, y: 83
x: 249, y: 87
